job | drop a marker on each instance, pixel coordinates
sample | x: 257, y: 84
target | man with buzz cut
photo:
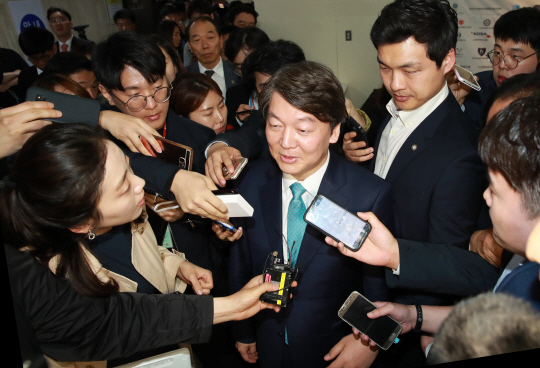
x: 303, y: 104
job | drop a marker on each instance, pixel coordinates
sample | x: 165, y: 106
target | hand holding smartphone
x: 382, y: 331
x: 337, y: 223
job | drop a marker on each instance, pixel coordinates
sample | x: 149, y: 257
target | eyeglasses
x: 511, y: 62
x: 59, y: 20
x: 138, y: 102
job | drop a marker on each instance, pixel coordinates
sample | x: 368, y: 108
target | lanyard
x: 165, y: 130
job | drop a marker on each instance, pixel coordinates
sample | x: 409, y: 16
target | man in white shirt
x: 61, y: 25
x: 303, y: 104
x: 205, y: 43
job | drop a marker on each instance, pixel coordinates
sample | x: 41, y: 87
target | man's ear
x: 335, y: 133
x: 449, y: 61
x: 106, y: 94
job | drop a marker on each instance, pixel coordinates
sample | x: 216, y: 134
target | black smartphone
x: 354, y: 126
x: 382, y: 331
x: 337, y: 223
x: 223, y: 191
x: 74, y: 109
x: 238, y: 166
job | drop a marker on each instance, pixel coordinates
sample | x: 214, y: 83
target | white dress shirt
x: 399, y: 128
x: 218, y: 76
x: 311, y: 185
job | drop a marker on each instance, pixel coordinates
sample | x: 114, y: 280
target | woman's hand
x: 200, y: 279
x: 224, y: 234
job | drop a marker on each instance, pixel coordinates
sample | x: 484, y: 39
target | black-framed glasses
x: 511, y: 61
x: 59, y: 20
x: 138, y: 102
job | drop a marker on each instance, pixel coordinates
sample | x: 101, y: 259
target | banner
x: 28, y: 13
x: 476, y: 19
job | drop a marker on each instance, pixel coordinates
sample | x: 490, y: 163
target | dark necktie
x: 209, y: 73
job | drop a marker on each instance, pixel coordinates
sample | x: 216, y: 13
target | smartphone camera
x: 41, y: 98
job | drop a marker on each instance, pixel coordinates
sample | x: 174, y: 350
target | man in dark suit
x: 304, y: 105
x: 205, y: 43
x: 38, y: 45
x: 60, y: 22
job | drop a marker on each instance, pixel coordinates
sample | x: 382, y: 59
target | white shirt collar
x: 218, y: 69
x: 312, y: 183
x: 418, y: 115
x: 68, y: 42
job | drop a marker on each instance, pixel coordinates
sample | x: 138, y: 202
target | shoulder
x: 193, y: 67
x: 258, y: 171
x: 356, y: 177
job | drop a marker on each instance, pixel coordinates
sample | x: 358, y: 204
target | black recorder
x: 282, y: 274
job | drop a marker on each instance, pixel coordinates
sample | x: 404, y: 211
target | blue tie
x: 296, y: 226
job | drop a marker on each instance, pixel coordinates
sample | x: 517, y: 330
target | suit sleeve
x: 245, y: 139
x: 457, y: 200
x: 442, y: 268
x: 70, y: 327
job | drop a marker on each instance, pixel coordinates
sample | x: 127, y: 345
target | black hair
x: 58, y: 174
x: 269, y: 58
x: 170, y: 50
x: 53, y: 9
x: 204, y: 18
x: 517, y: 86
x: 199, y: 6
x: 432, y: 23
x: 510, y: 145
x: 168, y: 10
x: 124, y: 14
x: 166, y: 29
x: 521, y: 26
x: 250, y: 38
x: 67, y: 63
x: 227, y: 29
x: 241, y: 8
x: 35, y: 40
x: 128, y: 48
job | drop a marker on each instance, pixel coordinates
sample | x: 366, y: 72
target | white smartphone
x: 466, y: 77
x: 337, y: 223
x: 382, y: 331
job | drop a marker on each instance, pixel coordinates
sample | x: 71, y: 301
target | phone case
x: 74, y: 109
x: 361, y: 134
x: 348, y: 303
x: 238, y: 166
x: 469, y: 83
x: 367, y: 225
x: 172, y: 152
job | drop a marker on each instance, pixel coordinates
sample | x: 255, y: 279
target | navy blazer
x: 475, y: 101
x: 231, y: 79
x: 326, y: 277
x: 523, y: 283
x: 438, y: 179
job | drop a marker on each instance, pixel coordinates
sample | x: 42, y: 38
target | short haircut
x: 204, y: 18
x: 488, y: 324
x: 270, y: 57
x: 51, y: 80
x: 310, y: 87
x: 199, y: 6
x: 189, y: 92
x: 432, y: 23
x: 67, y: 63
x: 124, y: 14
x: 168, y: 10
x: 123, y: 49
x: 509, y: 145
x: 35, y: 40
x: 53, y: 9
x: 517, y: 86
x: 250, y: 38
x: 241, y: 8
x: 521, y: 26
x: 170, y: 50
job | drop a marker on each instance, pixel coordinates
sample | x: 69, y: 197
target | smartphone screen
x: 337, y: 222
x: 382, y: 330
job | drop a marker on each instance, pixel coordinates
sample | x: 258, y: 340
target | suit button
x: 280, y: 334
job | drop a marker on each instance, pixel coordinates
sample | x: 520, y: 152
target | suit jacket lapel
x: 270, y: 198
x: 333, y: 180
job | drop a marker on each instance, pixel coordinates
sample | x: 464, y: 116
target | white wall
x: 318, y: 27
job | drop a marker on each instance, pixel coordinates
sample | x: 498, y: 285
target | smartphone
x: 74, y: 109
x: 466, y: 77
x: 226, y: 226
x: 166, y: 205
x: 354, y: 126
x: 171, y: 152
x: 244, y: 112
x: 238, y: 166
x: 382, y: 331
x: 337, y: 223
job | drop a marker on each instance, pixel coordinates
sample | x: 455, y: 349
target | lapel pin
x: 414, y: 147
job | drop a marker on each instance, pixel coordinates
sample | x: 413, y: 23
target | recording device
x: 383, y: 331
x: 238, y: 166
x: 74, y: 109
x: 466, y: 77
x: 226, y: 226
x: 336, y: 222
x: 354, y: 126
x: 282, y: 274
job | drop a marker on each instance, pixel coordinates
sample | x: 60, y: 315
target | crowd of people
x: 448, y: 179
